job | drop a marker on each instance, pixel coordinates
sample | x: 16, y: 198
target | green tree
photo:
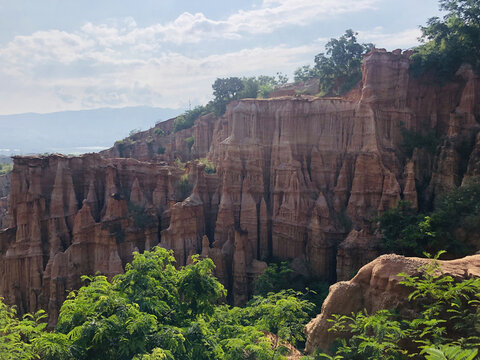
x: 401, y: 230
x: 198, y: 289
x: 339, y: 68
x: 304, y: 73
x: 150, y: 282
x: 224, y: 91
x: 273, y: 279
x: 450, y: 41
x: 102, y: 324
x: 18, y: 336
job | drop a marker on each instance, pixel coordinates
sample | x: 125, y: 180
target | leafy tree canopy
x: 450, y: 41
x: 339, y: 68
x: 156, y: 311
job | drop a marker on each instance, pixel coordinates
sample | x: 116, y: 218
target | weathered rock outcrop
x: 297, y: 177
x: 75, y: 216
x: 376, y: 287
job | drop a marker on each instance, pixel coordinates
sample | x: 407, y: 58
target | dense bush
x: 209, y: 167
x: 280, y: 276
x: 5, y: 168
x: 401, y: 230
x: 183, y: 187
x: 187, y: 119
x: 140, y: 217
x: 190, y: 141
x: 412, y: 139
x: 406, y: 232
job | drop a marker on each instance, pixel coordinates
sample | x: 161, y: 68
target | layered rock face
x: 4, y: 190
x: 74, y: 216
x: 376, y: 287
x: 297, y: 177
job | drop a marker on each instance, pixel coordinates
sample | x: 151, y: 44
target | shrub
x: 5, y: 168
x: 184, y: 187
x: 141, y: 219
x: 161, y: 150
x: 134, y: 131
x: 401, y: 231
x: 190, y: 141
x: 413, y: 139
x: 160, y: 131
x: 209, y: 167
x: 187, y: 119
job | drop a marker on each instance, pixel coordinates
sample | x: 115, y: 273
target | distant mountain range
x: 75, y: 132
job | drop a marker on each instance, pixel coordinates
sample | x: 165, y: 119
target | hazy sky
x: 82, y: 54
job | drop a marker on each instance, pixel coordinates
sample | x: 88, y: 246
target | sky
x: 58, y: 55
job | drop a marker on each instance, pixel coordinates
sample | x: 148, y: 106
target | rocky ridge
x: 297, y: 177
x: 375, y: 287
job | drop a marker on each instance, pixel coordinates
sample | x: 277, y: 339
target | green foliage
x: 449, y: 352
x: 450, y: 41
x: 209, y: 167
x: 340, y: 68
x: 121, y: 147
x: 161, y: 150
x: 372, y: 337
x: 401, y: 230
x: 156, y: 311
x: 458, y: 208
x: 224, y: 91
x: 150, y: 282
x: 198, y: 288
x: 160, y: 132
x: 179, y: 164
x: 187, y: 119
x: 102, y: 324
x: 242, y: 332
x: 18, y: 337
x: 447, y: 326
x: 141, y: 218
x: 282, y: 313
x: 406, y: 232
x: 280, y: 276
x: 134, y: 131
x: 281, y: 79
x: 190, y: 141
x: 183, y: 187
x: 413, y: 139
x: 273, y: 279
x: 5, y: 168
x: 304, y: 73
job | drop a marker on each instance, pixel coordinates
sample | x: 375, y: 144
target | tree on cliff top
x: 339, y: 68
x: 450, y: 41
x: 224, y: 91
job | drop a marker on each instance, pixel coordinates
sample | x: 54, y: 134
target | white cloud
x: 168, y: 80
x: 279, y: 13
x: 401, y: 40
x: 118, y: 63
